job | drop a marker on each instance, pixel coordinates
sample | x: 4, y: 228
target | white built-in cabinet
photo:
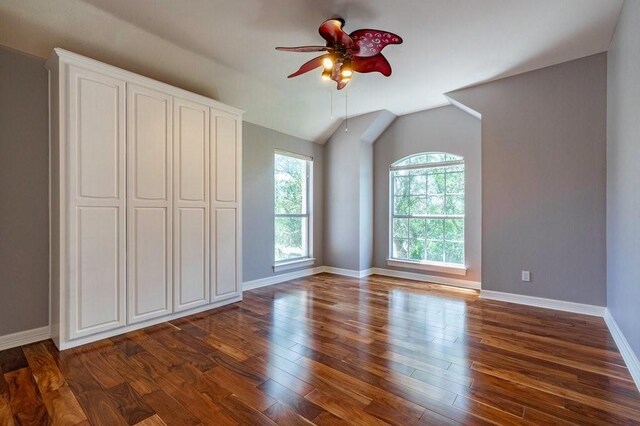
x: 145, y: 201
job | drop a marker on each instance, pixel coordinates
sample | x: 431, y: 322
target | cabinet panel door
x: 149, y: 289
x: 98, y: 131
x: 192, y: 145
x: 98, y: 292
x: 191, y: 204
x: 224, y: 129
x: 226, y: 249
x: 96, y: 202
x: 149, y: 143
x: 191, y: 262
x: 149, y: 213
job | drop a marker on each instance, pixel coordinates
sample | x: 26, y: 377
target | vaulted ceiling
x: 225, y: 49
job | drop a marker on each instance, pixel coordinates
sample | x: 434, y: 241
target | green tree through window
x: 427, y: 215
x: 291, y: 206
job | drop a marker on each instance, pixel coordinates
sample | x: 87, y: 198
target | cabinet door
x: 225, y: 140
x: 96, y: 202
x: 225, y: 195
x: 226, y: 254
x: 149, y: 213
x: 191, y: 204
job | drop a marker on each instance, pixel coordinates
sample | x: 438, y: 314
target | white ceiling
x: 225, y: 49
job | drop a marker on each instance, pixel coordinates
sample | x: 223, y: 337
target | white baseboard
x: 630, y: 358
x: 475, y: 285
x: 559, y: 305
x: 24, y: 337
x: 280, y: 278
x: 347, y: 272
x: 276, y: 279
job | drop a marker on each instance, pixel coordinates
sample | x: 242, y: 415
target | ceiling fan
x: 359, y: 51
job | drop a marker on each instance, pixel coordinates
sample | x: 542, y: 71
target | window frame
x: 307, y: 237
x: 444, y: 267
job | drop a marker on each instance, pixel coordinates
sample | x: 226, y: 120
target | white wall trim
x: 474, y: 285
x: 559, y: 305
x: 347, y: 272
x: 629, y: 357
x: 445, y: 268
x: 20, y: 338
x: 406, y: 275
x: 464, y: 107
x: 294, y: 264
x: 276, y: 279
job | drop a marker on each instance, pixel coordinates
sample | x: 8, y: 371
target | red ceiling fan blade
x: 371, y: 42
x: 304, y: 49
x: 376, y: 63
x: 331, y: 30
x: 309, y: 65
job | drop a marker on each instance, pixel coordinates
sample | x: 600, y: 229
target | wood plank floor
x: 331, y: 350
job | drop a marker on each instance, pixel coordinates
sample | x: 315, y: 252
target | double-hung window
x: 292, y: 210
x: 427, y: 210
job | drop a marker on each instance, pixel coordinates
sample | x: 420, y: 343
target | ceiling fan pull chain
x: 346, y: 110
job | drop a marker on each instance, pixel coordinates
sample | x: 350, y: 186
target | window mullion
x: 444, y: 221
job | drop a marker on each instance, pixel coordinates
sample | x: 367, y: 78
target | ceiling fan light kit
x: 359, y: 51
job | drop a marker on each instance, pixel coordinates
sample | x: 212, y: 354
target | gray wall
x: 367, y: 192
x: 543, y: 180
x: 258, y: 147
x: 446, y: 129
x: 623, y: 174
x: 343, y: 153
x: 349, y: 191
x: 24, y: 194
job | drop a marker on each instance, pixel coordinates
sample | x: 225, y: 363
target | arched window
x: 427, y: 209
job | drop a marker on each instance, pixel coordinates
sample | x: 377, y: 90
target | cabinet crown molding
x: 59, y: 54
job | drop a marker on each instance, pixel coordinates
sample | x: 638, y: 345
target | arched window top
x: 427, y: 158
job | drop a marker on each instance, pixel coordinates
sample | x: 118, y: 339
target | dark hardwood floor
x: 331, y: 350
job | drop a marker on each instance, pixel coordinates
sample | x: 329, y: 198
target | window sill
x: 293, y: 264
x: 445, y: 268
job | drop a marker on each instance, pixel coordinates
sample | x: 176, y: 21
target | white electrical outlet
x: 526, y: 276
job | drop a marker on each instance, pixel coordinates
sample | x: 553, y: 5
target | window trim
x: 443, y: 267
x: 308, y: 260
x: 437, y: 165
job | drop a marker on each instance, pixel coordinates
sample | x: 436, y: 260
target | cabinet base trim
x: 20, y: 338
x: 137, y: 326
